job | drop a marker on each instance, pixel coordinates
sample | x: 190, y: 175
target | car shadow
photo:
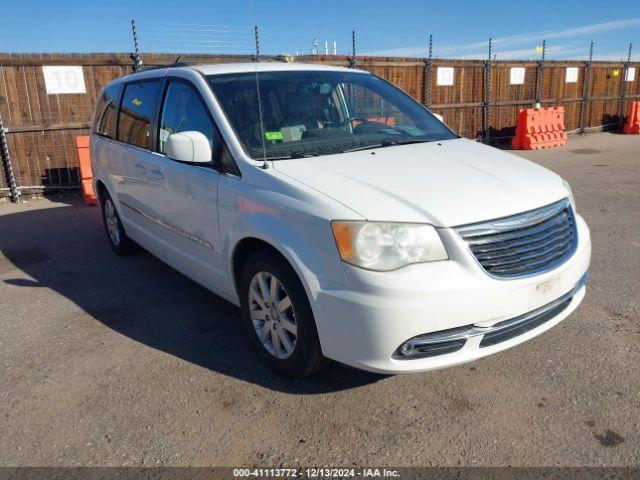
x: 65, y: 249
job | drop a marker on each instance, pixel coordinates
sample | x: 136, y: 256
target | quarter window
x: 137, y: 111
x: 104, y: 120
x: 183, y: 111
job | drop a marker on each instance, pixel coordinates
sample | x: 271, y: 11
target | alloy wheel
x: 272, y: 315
x: 112, y: 222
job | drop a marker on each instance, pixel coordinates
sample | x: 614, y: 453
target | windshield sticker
x: 273, y: 136
x: 137, y: 102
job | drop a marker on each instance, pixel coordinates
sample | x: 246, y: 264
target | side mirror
x: 438, y: 116
x: 190, y: 147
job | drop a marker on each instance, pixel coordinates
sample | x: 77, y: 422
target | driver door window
x: 182, y: 111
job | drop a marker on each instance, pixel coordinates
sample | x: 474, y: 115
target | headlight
x: 570, y: 192
x: 387, y: 246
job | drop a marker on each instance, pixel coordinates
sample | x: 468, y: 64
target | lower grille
x: 526, y: 244
x: 454, y: 339
x: 513, y: 327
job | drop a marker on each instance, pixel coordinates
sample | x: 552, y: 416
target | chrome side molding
x: 171, y: 228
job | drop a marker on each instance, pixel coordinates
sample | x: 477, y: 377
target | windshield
x: 309, y: 113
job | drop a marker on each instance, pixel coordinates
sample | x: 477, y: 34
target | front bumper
x: 364, y: 323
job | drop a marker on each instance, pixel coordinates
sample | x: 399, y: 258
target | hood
x: 447, y: 183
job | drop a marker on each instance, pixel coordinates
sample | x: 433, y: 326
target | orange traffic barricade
x: 86, y: 175
x: 633, y: 119
x: 540, y: 128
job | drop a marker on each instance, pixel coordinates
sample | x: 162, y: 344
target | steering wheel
x: 348, y: 120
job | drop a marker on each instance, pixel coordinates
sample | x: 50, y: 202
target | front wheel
x: 278, y: 317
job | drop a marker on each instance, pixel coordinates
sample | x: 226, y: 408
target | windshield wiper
x: 297, y: 154
x: 385, y: 143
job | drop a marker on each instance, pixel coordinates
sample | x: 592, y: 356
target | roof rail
x: 177, y: 63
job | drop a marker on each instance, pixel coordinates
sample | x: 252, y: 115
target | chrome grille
x: 525, y: 244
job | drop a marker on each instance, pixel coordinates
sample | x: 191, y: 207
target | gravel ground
x: 113, y: 361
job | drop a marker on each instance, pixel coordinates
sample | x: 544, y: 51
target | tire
x: 118, y: 239
x: 301, y: 355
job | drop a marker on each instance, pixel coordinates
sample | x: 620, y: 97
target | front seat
x: 302, y: 110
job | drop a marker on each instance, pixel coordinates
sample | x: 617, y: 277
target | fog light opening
x: 406, y: 349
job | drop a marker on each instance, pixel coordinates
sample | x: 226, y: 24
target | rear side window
x: 183, y: 111
x: 105, y: 116
x: 136, y: 112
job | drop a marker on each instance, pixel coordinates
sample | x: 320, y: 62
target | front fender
x: 291, y: 223
x: 310, y: 250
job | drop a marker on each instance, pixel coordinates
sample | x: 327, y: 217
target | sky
x: 460, y: 29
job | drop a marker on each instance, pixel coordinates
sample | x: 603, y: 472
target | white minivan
x: 346, y: 220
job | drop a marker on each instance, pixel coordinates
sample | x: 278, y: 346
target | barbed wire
x: 157, y: 35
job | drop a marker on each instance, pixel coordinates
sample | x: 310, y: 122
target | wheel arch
x: 309, y: 252
x: 100, y: 188
x: 246, y: 247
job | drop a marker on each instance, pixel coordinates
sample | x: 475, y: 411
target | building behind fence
x: 478, y: 99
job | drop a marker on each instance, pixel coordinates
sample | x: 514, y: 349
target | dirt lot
x: 113, y: 361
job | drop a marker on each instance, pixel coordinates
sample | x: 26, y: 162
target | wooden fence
x: 40, y: 127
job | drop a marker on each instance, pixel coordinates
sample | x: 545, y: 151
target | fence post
x: 352, y: 60
x: 539, y: 73
x: 585, y: 89
x: 256, y: 37
x: 8, y: 168
x: 427, y: 74
x: 137, y: 63
x: 623, y: 89
x: 487, y: 97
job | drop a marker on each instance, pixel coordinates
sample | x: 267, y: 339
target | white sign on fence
x: 64, y: 79
x: 631, y: 74
x: 516, y: 76
x: 571, y: 75
x: 445, y: 76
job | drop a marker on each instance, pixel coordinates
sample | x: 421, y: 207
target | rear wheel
x: 118, y: 239
x: 278, y: 317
